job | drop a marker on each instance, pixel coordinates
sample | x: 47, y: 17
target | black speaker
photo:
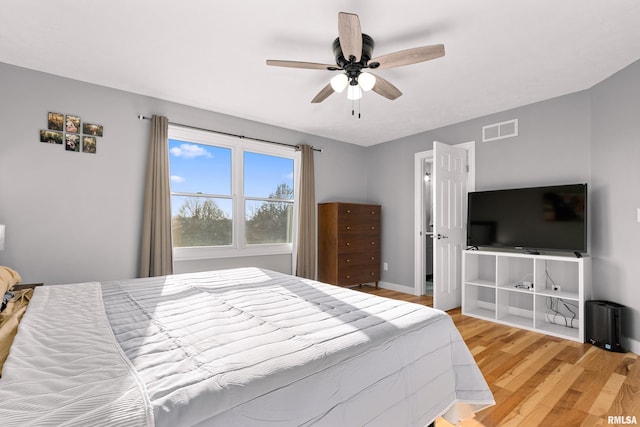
x: 604, y: 324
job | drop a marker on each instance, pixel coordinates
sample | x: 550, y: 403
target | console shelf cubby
x: 542, y: 293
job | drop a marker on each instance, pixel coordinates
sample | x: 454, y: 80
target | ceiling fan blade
x: 386, y: 89
x: 408, y: 56
x: 350, y: 35
x: 323, y: 94
x: 306, y: 65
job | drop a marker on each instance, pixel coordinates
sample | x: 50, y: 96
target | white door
x: 449, y: 192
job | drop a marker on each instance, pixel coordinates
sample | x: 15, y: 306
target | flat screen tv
x: 536, y: 218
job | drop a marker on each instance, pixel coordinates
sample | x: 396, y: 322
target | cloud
x: 289, y: 176
x: 190, y: 151
x: 177, y: 179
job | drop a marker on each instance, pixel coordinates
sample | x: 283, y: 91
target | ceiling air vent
x: 500, y: 130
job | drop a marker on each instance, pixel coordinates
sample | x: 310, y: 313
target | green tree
x: 271, y: 222
x: 201, y: 222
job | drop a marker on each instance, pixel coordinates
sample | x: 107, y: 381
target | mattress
x: 240, y: 347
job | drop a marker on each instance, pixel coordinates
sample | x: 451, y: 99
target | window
x: 229, y: 196
x: 268, y: 191
x: 201, y: 200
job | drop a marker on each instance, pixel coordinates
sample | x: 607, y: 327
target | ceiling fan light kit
x: 353, y: 52
x: 366, y: 81
x: 354, y: 92
x: 339, y: 82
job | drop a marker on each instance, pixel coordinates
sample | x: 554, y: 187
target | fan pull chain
x: 353, y: 108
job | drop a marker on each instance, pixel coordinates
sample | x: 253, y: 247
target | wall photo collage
x: 69, y: 130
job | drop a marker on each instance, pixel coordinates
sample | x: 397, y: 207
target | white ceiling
x: 500, y: 54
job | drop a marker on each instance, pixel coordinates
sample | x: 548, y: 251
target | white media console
x: 542, y: 293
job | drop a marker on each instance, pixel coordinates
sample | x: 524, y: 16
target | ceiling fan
x: 353, y: 53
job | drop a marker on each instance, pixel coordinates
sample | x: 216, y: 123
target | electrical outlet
x: 385, y: 266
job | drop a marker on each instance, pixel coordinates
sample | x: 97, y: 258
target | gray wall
x: 76, y: 217
x: 590, y: 136
x: 615, y: 193
x: 552, y: 147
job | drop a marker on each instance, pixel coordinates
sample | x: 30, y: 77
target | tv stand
x: 542, y: 293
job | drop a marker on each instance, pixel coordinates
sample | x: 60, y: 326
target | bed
x: 239, y: 347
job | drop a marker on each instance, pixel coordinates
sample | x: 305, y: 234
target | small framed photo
x: 50, y: 136
x: 89, y: 144
x: 91, y: 129
x: 72, y: 142
x: 55, y: 121
x: 72, y: 124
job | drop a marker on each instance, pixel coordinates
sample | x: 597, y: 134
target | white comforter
x: 65, y: 367
x: 254, y: 347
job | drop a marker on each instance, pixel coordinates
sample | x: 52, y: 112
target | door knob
x: 441, y: 236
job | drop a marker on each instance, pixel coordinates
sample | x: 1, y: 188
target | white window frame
x: 238, y: 146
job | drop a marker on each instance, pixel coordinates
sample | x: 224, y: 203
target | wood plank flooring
x: 539, y: 380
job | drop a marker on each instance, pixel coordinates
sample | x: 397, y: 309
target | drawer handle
x: 373, y: 258
x: 372, y: 273
x: 373, y: 227
x: 348, y: 211
x: 348, y: 227
x: 348, y: 260
x: 373, y: 212
x: 373, y: 243
x: 347, y: 277
x: 348, y: 244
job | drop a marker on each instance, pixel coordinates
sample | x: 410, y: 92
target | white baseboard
x: 398, y: 288
x: 631, y: 345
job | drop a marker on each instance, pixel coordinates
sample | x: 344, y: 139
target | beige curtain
x: 156, y: 258
x: 306, y: 254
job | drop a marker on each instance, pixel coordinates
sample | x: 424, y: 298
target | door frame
x: 419, y: 207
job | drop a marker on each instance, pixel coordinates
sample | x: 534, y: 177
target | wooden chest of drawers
x: 348, y: 243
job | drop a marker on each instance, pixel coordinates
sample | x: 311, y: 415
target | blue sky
x: 207, y: 169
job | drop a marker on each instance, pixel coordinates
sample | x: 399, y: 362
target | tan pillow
x: 9, y: 320
x: 8, y: 278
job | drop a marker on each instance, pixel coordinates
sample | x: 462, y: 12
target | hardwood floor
x: 539, y: 380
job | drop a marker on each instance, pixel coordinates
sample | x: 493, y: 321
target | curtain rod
x: 141, y: 117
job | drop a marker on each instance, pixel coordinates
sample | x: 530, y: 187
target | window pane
x: 269, y: 177
x: 199, y: 168
x: 201, y: 221
x: 268, y: 222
